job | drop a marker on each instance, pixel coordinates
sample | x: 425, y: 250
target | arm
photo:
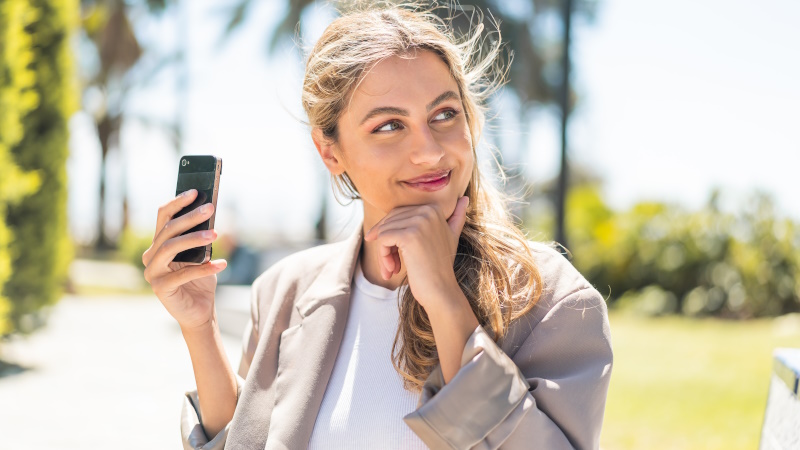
x: 196, y: 427
x: 452, y: 324
x: 550, y: 394
x: 216, y: 383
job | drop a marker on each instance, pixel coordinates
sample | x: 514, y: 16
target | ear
x: 326, y: 148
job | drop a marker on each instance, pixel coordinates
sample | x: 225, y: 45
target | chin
x: 446, y: 201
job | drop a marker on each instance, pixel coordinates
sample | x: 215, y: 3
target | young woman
x: 436, y: 324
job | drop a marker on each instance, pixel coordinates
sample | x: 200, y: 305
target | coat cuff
x: 486, y: 389
x: 192, y: 433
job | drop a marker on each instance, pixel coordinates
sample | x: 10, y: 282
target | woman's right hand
x: 185, y: 290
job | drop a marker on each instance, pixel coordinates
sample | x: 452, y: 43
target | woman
x: 491, y: 342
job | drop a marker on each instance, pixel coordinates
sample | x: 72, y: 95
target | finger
x: 411, y: 220
x: 165, y: 214
x: 396, y: 213
x: 171, y: 281
x: 167, y: 252
x: 387, y: 261
x: 385, y: 274
x: 172, y: 207
x: 389, y: 239
x: 386, y: 258
x: 396, y: 255
x: 389, y: 252
x: 459, y: 217
x: 185, y: 222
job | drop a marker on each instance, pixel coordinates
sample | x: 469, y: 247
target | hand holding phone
x: 186, y: 288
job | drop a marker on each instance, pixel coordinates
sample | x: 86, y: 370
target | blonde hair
x: 493, y: 265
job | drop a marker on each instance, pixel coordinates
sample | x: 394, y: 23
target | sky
x: 676, y: 99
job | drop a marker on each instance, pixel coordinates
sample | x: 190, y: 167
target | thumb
x: 459, y: 217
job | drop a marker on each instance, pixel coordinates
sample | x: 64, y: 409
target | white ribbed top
x: 365, y: 400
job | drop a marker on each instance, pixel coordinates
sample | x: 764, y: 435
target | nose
x: 426, y: 150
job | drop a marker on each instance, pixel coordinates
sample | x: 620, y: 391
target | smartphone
x: 199, y: 172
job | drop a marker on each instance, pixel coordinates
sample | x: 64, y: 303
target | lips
x: 435, y: 181
x: 428, y: 177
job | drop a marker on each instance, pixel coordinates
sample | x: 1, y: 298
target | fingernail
x: 186, y: 193
x: 205, y: 208
x: 208, y: 233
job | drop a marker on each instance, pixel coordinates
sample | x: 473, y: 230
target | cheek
x: 372, y: 176
x: 460, y: 139
x: 467, y: 157
x: 462, y: 144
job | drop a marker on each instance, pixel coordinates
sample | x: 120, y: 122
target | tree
x: 108, y: 26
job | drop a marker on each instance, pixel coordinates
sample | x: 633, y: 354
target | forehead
x: 406, y: 81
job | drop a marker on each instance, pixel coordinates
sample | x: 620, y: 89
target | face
x: 404, y: 125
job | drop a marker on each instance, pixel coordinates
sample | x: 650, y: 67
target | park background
x: 683, y: 149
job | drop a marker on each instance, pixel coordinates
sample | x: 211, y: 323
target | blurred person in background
x: 243, y: 262
x: 437, y: 323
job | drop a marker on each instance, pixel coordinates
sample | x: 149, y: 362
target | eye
x: 388, y: 126
x: 445, y: 115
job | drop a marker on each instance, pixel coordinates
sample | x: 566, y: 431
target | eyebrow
x: 449, y: 95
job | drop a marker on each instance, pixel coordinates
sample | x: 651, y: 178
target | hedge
x: 38, y: 92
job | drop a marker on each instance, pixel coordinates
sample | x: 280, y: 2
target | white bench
x: 781, y: 429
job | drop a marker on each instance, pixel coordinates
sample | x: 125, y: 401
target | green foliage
x: 659, y: 258
x: 17, y: 98
x: 37, y: 95
x: 132, y: 245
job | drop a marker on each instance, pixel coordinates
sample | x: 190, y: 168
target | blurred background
x: 659, y: 142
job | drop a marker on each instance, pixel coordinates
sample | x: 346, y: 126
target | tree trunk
x: 107, y: 129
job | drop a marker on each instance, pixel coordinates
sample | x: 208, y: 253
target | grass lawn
x: 681, y: 383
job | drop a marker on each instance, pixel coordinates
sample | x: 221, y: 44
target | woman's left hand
x: 427, y: 243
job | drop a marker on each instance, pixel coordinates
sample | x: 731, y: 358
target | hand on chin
x: 427, y: 241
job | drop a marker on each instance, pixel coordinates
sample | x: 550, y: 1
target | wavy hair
x: 494, y: 265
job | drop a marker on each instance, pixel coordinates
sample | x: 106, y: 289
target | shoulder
x: 290, y: 277
x: 567, y: 298
x: 559, y: 277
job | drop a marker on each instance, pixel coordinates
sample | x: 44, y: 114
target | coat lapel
x: 308, y: 349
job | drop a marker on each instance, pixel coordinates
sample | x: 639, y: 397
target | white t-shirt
x: 365, y: 401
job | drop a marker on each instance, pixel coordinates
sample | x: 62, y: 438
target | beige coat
x: 543, y: 386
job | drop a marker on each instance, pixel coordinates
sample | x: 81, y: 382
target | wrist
x: 453, y: 308
x: 204, y: 329
x: 452, y: 322
x: 445, y: 300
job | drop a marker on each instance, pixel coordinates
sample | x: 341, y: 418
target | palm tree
x: 108, y: 27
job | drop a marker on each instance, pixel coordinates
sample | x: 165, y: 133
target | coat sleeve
x: 192, y: 433
x: 551, y: 394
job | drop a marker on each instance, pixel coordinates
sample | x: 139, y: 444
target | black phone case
x: 198, y: 172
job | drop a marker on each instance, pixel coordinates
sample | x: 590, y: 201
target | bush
x: 658, y: 258
x: 17, y: 99
x: 39, y: 77
x: 132, y: 245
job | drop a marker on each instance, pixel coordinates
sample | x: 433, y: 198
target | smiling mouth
x: 431, y: 185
